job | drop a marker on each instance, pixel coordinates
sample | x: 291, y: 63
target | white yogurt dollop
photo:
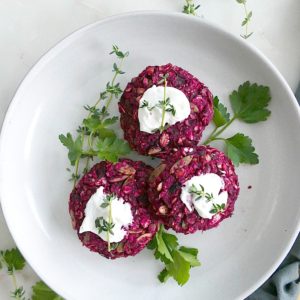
x: 210, y: 185
x: 120, y: 211
x: 150, y: 119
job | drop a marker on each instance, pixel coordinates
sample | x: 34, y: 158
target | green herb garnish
x: 190, y: 8
x: 178, y: 260
x: 246, y: 21
x: 103, y: 225
x: 217, y: 208
x: 249, y: 104
x: 164, y: 104
x: 95, y: 137
x: 40, y: 291
x: 13, y: 261
x: 200, y: 193
x: 145, y: 103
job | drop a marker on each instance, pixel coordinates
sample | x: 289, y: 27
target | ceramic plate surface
x: 238, y: 255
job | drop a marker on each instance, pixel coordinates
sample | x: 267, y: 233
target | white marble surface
x: 29, y: 28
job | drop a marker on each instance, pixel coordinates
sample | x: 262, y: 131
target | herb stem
x: 87, y: 164
x: 89, y: 153
x: 110, y: 222
x: 246, y: 14
x: 112, y: 83
x: 216, y: 133
x: 90, y: 140
x: 163, y: 107
x: 76, y: 172
x: 14, y: 281
x: 12, y: 276
x: 77, y: 164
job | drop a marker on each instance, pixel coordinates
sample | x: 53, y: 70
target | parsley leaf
x: 40, y: 291
x: 110, y: 121
x: 111, y: 148
x: 92, y: 123
x: 13, y: 259
x: 164, y: 275
x: 249, y: 102
x: 178, y: 261
x: 98, y: 128
x: 179, y: 269
x: 165, y: 244
x: 74, y: 147
x: 221, y: 115
x: 240, y: 150
x: 190, y: 255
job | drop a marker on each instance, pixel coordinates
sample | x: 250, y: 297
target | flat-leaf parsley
x: 178, y: 261
x: 249, y: 104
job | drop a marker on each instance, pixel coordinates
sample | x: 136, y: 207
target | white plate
x: 237, y: 256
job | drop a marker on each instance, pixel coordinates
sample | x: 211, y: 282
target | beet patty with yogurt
x: 194, y: 189
x: 182, y: 88
x: 125, y: 185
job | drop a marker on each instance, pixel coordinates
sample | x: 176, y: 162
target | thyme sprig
x: 107, y: 226
x: 200, y: 193
x: 164, y: 104
x: 95, y: 138
x: 247, y: 18
x: 217, y: 208
x: 146, y: 104
x: 190, y: 8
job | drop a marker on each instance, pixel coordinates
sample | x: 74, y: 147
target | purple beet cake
x: 168, y: 179
x: 185, y: 133
x: 128, y: 180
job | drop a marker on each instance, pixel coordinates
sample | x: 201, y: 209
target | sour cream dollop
x: 121, y: 216
x: 211, y: 185
x: 150, y: 117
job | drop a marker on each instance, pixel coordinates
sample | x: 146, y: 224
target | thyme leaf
x: 94, y: 136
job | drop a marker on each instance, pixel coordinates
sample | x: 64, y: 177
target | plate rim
x: 53, y: 50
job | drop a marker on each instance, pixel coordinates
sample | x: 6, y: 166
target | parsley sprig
x: 249, y: 104
x: 246, y: 21
x: 95, y: 137
x: 146, y: 104
x: 40, y: 291
x: 107, y: 226
x: 178, y: 260
x: 190, y: 8
x: 13, y: 261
